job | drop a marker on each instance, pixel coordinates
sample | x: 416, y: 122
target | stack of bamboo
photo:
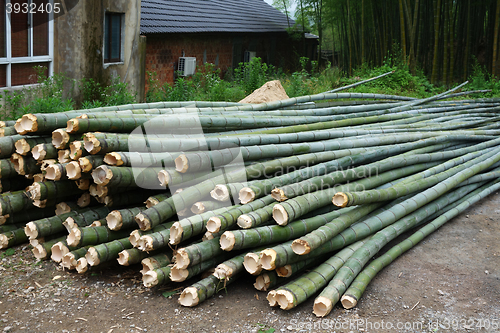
x: 276, y: 189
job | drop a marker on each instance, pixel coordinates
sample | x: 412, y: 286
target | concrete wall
x: 79, y: 39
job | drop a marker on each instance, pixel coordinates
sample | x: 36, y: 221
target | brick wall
x: 225, y: 50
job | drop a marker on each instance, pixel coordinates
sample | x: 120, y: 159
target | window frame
x: 9, y: 60
x: 107, y: 46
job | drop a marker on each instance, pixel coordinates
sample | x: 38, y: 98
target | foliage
x: 253, y: 74
x: 480, y: 79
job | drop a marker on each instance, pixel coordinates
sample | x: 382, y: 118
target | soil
x: 448, y: 283
x: 269, y: 92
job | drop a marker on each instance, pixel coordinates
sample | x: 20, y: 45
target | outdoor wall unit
x: 249, y: 55
x: 187, y: 66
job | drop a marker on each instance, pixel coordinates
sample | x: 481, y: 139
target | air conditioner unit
x: 249, y: 55
x: 187, y: 66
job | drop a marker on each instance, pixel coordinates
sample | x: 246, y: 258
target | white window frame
x: 9, y: 60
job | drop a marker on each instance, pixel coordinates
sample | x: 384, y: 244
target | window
x: 26, y: 38
x: 113, y: 37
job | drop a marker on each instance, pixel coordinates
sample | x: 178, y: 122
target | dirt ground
x: 448, y: 283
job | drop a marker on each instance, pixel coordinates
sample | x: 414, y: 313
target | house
x: 101, y: 39
x: 222, y: 32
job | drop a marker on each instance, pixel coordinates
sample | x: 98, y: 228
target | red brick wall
x: 163, y: 52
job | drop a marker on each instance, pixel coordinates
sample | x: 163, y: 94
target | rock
x: 7, y: 329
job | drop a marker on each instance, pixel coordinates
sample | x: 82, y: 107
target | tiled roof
x: 182, y: 16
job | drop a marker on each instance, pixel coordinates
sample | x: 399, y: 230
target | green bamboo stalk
x: 156, y: 261
x: 43, y: 251
x: 155, y: 199
x: 88, y: 163
x: 343, y: 199
x: 156, y: 277
x: 24, y: 165
x: 14, y: 184
x: 44, y: 151
x: 70, y: 259
x: 200, y: 291
x: 94, y: 235
x: 128, y: 198
x: 7, y: 145
x: 138, y: 159
x: 155, y: 240
x: 123, y: 218
x: 197, y: 253
x: 126, y: 177
x: 332, y: 293
x: 193, y: 226
x: 267, y: 280
x: 179, y: 275
x: 52, y: 189
x: 12, y: 238
x: 136, y: 234
x: 7, y: 169
x: 299, y: 290
x: 358, y: 286
x: 229, y: 218
x: 25, y: 145
x: 13, y: 202
x: 10, y: 227
x: 8, y: 131
x: 129, y: 257
x: 85, y: 218
x: 26, y: 215
x: 107, y: 251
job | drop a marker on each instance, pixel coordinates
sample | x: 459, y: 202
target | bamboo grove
x: 441, y: 37
x: 301, y: 193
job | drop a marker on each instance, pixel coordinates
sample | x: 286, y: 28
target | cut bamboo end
x: 96, y: 223
x: 46, y: 163
x: 223, y: 271
x: 18, y: 162
x: 85, y: 164
x: 38, y: 178
x: 69, y: 224
x: 220, y: 193
x: 100, y: 191
x: 181, y: 164
x: 82, y: 265
x: 38, y: 152
x: 143, y: 222
x: 198, y: 208
x: 31, y: 231
x: 39, y: 252
x: 280, y: 215
x: 150, y: 279
x: 83, y: 184
x: 340, y: 199
x: 348, y: 302
x: 163, y: 178
x: 272, y: 298
x: 145, y: 243
x: 207, y: 236
x: 134, y: 238
x: 176, y: 232
x: 68, y: 261
x: 114, y: 220
x: 268, y: 259
x: 107, y: 201
x: 3, y: 219
x: 285, y: 299
x: 4, y: 241
x: 278, y: 194
x: 179, y: 190
x: 322, y: 306
x: 184, y: 212
x: 72, y: 126
x: 91, y: 144
x: 60, y: 138
x: 151, y: 202
x: 252, y: 263
x: 178, y: 274
x: 146, y: 266
x: 246, y: 195
x: 123, y: 258
x: 54, y: 172
x: 35, y: 242
x: 19, y: 127
x: 182, y: 260
x: 102, y: 175
x: 62, y: 208
x: 92, y: 257
x: 40, y: 203
x: 301, y: 247
x: 83, y: 200
x: 63, y: 156
x: 227, y: 241
x: 22, y: 147
x: 76, y: 150
x: 285, y: 271
x: 73, y: 170
x: 214, y: 224
x: 29, y: 123
x: 74, y: 237
x: 244, y: 221
x: 189, y: 297
x: 262, y: 282
x: 113, y: 159
x: 34, y: 191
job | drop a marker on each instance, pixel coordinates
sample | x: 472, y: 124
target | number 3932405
x: 33, y: 8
